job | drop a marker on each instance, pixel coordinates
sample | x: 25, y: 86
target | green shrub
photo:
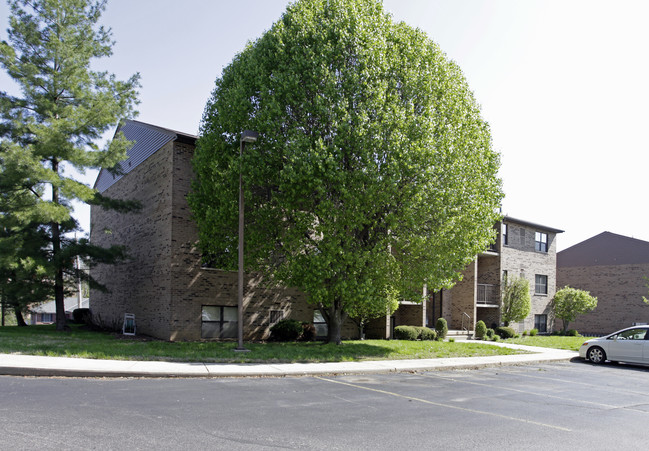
x: 572, y: 333
x: 81, y: 316
x: 441, y: 327
x: 451, y: 340
x: 406, y: 333
x: 480, y: 330
x: 533, y: 332
x: 286, y: 330
x: 426, y: 333
x: 495, y: 338
x: 490, y: 333
x: 308, y: 332
x: 525, y: 333
x: 505, y: 332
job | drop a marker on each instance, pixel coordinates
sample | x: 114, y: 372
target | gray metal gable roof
x: 605, y: 249
x: 507, y: 219
x: 148, y: 139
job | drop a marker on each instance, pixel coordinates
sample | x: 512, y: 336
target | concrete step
x: 458, y: 333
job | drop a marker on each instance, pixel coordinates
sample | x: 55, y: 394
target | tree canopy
x: 51, y: 130
x: 373, y: 173
x: 517, y: 301
x: 569, y: 302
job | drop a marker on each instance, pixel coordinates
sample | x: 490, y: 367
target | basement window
x: 321, y: 328
x: 218, y: 321
x: 275, y: 317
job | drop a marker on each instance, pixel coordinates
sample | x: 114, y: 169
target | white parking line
x: 527, y: 392
x: 449, y: 406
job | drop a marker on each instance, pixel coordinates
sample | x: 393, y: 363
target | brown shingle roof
x: 605, y: 249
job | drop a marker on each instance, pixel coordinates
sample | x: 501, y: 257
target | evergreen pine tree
x: 54, y: 126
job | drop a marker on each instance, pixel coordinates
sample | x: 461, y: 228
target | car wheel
x: 596, y: 355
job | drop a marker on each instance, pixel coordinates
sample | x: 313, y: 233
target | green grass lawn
x: 550, y: 341
x: 45, y: 340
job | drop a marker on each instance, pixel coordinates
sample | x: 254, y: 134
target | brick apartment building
x: 164, y: 284
x: 174, y: 297
x: 522, y: 249
x: 613, y: 268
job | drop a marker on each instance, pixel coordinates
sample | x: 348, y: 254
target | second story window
x: 541, y: 241
x: 505, y: 234
x: 541, y: 284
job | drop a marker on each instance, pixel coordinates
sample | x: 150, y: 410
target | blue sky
x: 563, y: 85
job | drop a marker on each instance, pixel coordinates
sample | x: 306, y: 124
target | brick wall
x: 619, y: 290
x: 141, y: 285
x: 519, y: 258
x: 461, y: 299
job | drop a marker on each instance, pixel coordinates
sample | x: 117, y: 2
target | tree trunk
x: 335, y: 317
x: 565, y: 325
x: 19, y: 317
x: 56, y: 251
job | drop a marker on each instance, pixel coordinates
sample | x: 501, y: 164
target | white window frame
x: 539, y: 284
x: 541, y: 242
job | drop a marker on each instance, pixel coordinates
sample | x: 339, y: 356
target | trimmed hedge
x: 533, y: 332
x: 441, y: 327
x: 490, y: 333
x: 406, y: 333
x: 414, y: 333
x: 286, y: 330
x: 426, y: 333
x: 81, y: 316
x: 505, y: 332
x: 480, y: 330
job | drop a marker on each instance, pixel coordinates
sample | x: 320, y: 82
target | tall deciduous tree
x: 373, y: 174
x: 569, y: 302
x: 517, y: 301
x: 55, y: 124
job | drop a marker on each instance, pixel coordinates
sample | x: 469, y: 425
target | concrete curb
x: 27, y: 365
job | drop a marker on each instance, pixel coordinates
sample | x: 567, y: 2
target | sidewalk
x: 27, y: 365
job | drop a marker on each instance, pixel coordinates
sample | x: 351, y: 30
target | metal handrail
x: 463, y: 315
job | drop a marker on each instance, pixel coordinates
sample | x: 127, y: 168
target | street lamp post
x: 246, y: 137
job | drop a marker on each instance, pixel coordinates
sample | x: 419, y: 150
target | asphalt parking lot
x: 542, y: 406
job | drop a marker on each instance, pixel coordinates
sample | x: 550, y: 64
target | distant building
x: 46, y: 313
x: 613, y: 268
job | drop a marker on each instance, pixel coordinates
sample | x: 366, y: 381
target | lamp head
x: 248, y: 136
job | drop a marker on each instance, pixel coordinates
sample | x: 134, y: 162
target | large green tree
x: 569, y: 302
x: 53, y: 127
x: 373, y: 173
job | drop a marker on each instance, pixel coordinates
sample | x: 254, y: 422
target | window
x: 505, y: 233
x: 321, y: 329
x: 541, y: 241
x: 631, y: 334
x: 219, y: 321
x: 276, y: 316
x: 541, y: 323
x: 541, y: 285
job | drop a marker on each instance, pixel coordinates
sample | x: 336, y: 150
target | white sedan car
x: 626, y: 345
